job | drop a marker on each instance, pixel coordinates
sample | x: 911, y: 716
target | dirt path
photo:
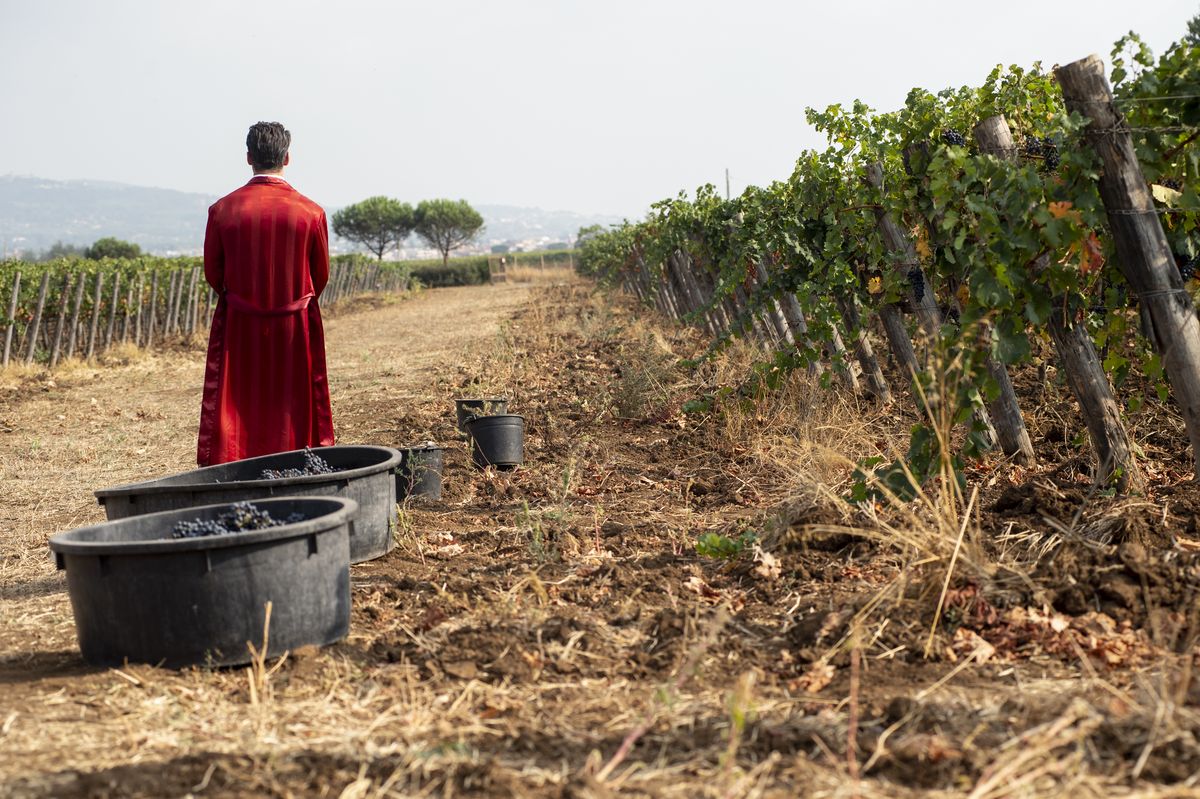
x: 84, y: 428
x: 554, y: 632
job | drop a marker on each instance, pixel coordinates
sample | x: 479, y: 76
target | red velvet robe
x: 266, y: 252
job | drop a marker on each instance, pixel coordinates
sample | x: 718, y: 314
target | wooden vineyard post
x: 172, y: 309
x: 1074, y: 349
x: 644, y: 278
x: 188, y: 279
x: 930, y: 318
x: 1143, y: 253
x: 877, y: 384
x: 898, y: 243
x: 326, y: 297
x: 94, y: 327
x: 180, y: 299
x: 634, y: 276
x: 137, y: 310
x: 772, y: 314
x: 152, y: 308
x: 688, y: 300
x: 36, y: 324
x: 899, y: 340
x: 80, y: 286
x: 63, y: 305
x: 703, y: 293
x: 750, y: 324
x: 187, y: 322
x: 1005, y: 411
x: 112, y: 311
x: 125, y: 312
x: 194, y: 302
x: 797, y: 325
x: 12, y: 317
x: 705, y: 287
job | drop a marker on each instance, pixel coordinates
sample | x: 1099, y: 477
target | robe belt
x: 245, y: 306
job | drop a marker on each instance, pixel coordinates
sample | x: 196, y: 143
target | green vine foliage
x: 1003, y: 240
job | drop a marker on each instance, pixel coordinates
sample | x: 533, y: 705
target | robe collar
x: 277, y: 179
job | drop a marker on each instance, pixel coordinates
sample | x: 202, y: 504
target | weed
x: 715, y: 545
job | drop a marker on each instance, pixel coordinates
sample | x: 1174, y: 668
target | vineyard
x: 80, y: 308
x: 879, y: 481
x: 956, y: 238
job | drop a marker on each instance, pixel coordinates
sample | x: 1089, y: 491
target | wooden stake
x: 1143, y: 252
x: 172, y: 298
x: 95, y: 326
x: 877, y: 384
x: 74, y: 326
x: 112, y: 311
x: 63, y: 304
x: 137, y: 310
x: 1005, y: 412
x: 36, y: 324
x: 193, y: 301
x: 928, y: 316
x: 151, y: 310
x: 1075, y: 351
x: 12, y: 317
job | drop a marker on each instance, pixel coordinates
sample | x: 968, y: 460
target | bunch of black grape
x: 1045, y: 149
x: 917, y: 282
x: 313, y: 464
x: 953, y: 137
x: 240, y: 517
x: 1186, y: 264
x: 1171, y: 183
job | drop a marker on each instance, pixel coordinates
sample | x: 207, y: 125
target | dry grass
x: 539, y: 274
x: 551, y: 633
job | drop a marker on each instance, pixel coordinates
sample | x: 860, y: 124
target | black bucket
x: 420, y: 472
x: 361, y: 473
x: 468, y: 409
x: 497, y: 440
x: 140, y: 595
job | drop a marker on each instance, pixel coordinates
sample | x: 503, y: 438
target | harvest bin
x: 420, y: 472
x: 362, y: 473
x: 497, y: 440
x: 140, y: 595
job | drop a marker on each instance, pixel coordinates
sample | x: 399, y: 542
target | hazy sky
x: 603, y: 106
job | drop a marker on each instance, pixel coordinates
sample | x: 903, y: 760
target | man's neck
x: 275, y: 174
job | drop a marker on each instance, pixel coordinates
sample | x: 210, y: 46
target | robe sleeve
x: 214, y: 254
x: 318, y: 255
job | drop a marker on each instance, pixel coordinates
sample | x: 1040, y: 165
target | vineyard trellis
x: 54, y: 311
x: 1068, y: 213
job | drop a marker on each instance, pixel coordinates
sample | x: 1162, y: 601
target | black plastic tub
x: 420, y: 472
x: 497, y: 440
x: 468, y: 409
x: 362, y: 473
x: 140, y: 595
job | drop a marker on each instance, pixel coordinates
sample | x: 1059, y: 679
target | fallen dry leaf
x: 768, y: 567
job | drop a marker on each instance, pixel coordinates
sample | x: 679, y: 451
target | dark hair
x: 267, y: 143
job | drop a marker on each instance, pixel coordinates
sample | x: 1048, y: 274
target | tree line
x: 107, y: 247
x: 381, y: 224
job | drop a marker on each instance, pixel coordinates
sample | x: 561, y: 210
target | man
x: 266, y: 253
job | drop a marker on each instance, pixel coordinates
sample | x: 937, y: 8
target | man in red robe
x: 266, y: 253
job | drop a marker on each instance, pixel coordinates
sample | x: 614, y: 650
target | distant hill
x: 35, y: 213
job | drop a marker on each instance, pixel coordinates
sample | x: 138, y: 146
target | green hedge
x: 468, y: 271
